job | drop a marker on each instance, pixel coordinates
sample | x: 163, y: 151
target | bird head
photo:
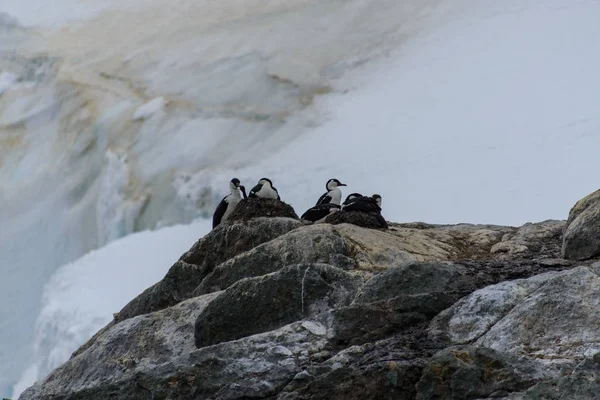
x: 333, y: 183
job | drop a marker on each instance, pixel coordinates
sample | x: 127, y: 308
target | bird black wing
x: 219, y: 212
x: 324, y: 199
x: 278, y: 198
x: 255, y: 190
x: 363, y: 204
x: 317, y: 212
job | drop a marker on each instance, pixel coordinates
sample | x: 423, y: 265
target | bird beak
x: 342, y: 184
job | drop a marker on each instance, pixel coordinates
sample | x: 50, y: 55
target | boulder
x: 581, y: 239
x: 416, y: 278
x: 554, y: 316
x: 258, y: 207
x: 581, y: 383
x: 222, y: 243
x: 264, y: 303
x: 386, y: 369
x: 467, y: 372
x: 369, y: 220
x: 312, y: 244
x: 259, y: 366
x: 400, y: 298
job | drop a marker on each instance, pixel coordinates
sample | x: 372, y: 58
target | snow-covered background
x: 122, y: 118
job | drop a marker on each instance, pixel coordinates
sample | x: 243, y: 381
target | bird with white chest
x: 329, y: 202
x: 229, y: 202
x: 264, y: 188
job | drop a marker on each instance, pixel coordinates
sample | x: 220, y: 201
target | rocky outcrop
x: 268, y: 302
x: 581, y: 239
x: 314, y: 244
x: 258, y: 207
x: 222, y: 244
x: 468, y: 372
x: 273, y: 308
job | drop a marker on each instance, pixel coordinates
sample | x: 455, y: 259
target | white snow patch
x: 7, y: 80
x: 149, y: 109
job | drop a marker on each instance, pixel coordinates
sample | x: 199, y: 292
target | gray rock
x: 541, y: 239
x: 267, y: 302
x: 386, y: 369
x: 255, y: 367
x: 581, y: 238
x: 581, y: 383
x: 221, y: 244
x: 258, y: 207
x: 466, y: 372
x: 312, y: 244
x: 554, y: 316
x: 473, y: 316
x: 398, y: 299
x: 416, y: 278
x: 139, y: 344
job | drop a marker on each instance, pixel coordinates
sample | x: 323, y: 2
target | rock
x: 416, y: 278
x: 581, y: 240
x: 259, y: 207
x: 541, y: 239
x: 466, y: 372
x: 582, y: 383
x: 260, y: 304
x: 472, y: 316
x: 312, y: 244
x: 362, y: 219
x: 139, y: 344
x: 259, y: 366
x: 386, y: 369
x: 399, y: 299
x: 554, y: 316
x: 222, y: 243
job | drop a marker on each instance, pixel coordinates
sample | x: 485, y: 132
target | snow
x: 453, y: 111
x: 150, y: 108
x: 81, y: 297
x: 7, y: 79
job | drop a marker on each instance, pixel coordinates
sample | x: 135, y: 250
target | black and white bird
x: 264, y: 189
x: 357, y: 202
x: 327, y: 203
x: 229, y: 202
x: 333, y: 194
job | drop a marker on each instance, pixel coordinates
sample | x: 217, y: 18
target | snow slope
x: 454, y: 111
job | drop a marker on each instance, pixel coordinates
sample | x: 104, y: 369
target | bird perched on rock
x: 333, y: 193
x: 329, y: 202
x: 357, y: 202
x: 360, y: 210
x: 229, y: 202
x: 264, y: 188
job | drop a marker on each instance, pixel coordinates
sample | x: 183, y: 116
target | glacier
x: 123, y: 118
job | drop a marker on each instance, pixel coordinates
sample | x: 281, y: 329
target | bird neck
x: 235, y: 192
x: 336, y: 196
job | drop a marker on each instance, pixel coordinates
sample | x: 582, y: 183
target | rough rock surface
x: 468, y: 372
x: 581, y: 239
x: 258, y: 207
x: 284, y: 310
x: 314, y: 244
x: 268, y: 302
x: 546, y: 317
x: 223, y: 243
